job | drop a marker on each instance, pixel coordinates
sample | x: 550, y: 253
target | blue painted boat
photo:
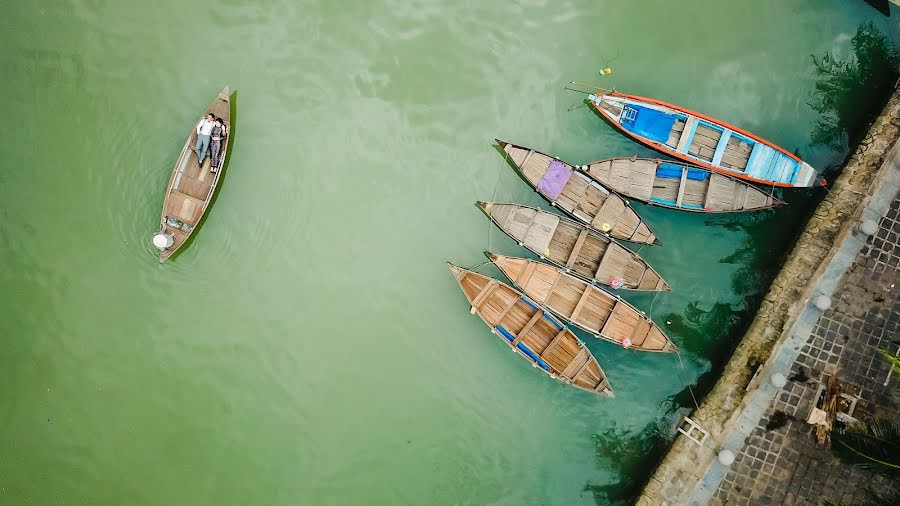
x: 704, y: 141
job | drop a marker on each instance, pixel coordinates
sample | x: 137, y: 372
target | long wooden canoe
x: 577, y: 195
x: 531, y: 332
x: 588, y: 307
x: 673, y: 185
x: 191, y: 187
x: 699, y: 139
x: 572, y: 246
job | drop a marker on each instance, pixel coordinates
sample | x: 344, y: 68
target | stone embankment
x: 677, y: 478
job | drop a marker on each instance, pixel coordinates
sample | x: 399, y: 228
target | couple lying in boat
x: 211, y: 132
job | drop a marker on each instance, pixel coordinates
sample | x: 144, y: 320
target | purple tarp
x: 553, y: 181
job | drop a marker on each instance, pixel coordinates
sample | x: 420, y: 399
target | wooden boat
x: 191, y: 187
x: 707, y: 142
x: 577, y: 195
x: 588, y: 307
x: 531, y: 332
x: 668, y: 184
x: 574, y: 247
x: 679, y: 186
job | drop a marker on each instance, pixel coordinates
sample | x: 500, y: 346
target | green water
x: 310, y: 346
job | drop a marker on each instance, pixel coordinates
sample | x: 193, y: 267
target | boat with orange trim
x: 704, y: 141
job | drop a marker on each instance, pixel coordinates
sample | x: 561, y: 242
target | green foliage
x: 892, y: 499
x: 873, y: 445
x: 894, y: 359
x: 849, y: 92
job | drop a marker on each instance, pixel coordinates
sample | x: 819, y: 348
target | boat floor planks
x: 577, y: 195
x: 531, y: 332
x: 588, y: 307
x: 191, y: 187
x: 570, y: 245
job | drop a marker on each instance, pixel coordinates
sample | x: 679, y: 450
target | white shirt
x: 205, y: 126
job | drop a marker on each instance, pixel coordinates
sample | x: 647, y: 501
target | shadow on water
x: 224, y: 170
x: 850, y: 92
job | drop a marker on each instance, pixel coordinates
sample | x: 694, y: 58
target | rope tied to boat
x: 490, y: 219
x: 683, y: 375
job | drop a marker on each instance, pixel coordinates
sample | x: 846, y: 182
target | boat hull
x: 570, y: 245
x: 588, y: 307
x: 191, y: 186
x: 575, y: 194
x: 531, y: 332
x: 700, y: 140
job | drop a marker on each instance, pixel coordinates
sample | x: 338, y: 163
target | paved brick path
x: 783, y: 464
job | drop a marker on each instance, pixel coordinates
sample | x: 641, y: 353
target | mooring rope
x: 684, y: 379
x: 494, y: 199
x: 490, y: 220
x: 683, y: 375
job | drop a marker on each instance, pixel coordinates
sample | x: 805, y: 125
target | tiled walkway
x: 780, y: 462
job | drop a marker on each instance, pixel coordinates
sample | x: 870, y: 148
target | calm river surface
x: 310, y: 346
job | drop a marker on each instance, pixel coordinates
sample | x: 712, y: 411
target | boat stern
x: 491, y: 256
x: 808, y: 176
x: 485, y: 207
x: 456, y: 270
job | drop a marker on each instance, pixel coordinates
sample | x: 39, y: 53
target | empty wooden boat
x: 191, y: 187
x: 577, y: 195
x: 669, y: 184
x: 574, y: 247
x: 679, y: 186
x: 588, y: 307
x: 531, y: 332
x: 699, y: 139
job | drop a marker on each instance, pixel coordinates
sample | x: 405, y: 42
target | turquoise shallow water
x: 310, y: 346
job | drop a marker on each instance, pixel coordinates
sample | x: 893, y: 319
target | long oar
x: 592, y: 87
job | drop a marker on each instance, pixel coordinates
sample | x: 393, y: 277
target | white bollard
x: 822, y: 302
x: 726, y: 457
x: 867, y: 227
x: 778, y: 380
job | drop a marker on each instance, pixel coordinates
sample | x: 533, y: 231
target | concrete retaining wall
x: 677, y: 477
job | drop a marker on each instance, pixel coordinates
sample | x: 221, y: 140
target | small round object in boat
x: 163, y: 241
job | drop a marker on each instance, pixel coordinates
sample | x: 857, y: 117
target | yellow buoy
x: 606, y: 227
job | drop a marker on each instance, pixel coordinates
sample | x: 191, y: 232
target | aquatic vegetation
x: 617, y: 446
x: 849, y: 92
